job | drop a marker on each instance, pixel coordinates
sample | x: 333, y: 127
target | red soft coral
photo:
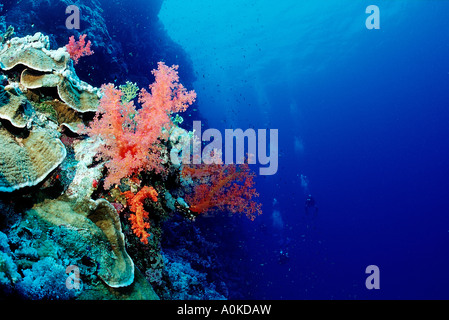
x: 78, y: 49
x: 131, y: 137
x: 135, y: 201
x: 224, y: 188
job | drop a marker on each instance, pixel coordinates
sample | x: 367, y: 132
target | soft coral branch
x: 131, y: 137
x: 136, y: 203
x: 166, y: 96
x: 78, y: 49
x: 224, y: 188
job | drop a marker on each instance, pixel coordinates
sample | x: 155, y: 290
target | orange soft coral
x: 135, y: 201
x: 78, y: 49
x: 223, y: 188
x: 131, y: 137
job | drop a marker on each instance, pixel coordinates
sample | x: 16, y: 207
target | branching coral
x: 135, y: 201
x: 78, y: 49
x: 129, y: 91
x: 222, y: 187
x: 131, y: 137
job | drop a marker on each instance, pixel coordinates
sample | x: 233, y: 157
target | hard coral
x: 135, y: 201
x: 33, y: 52
x: 89, y: 223
x: 25, y: 162
x: 77, y: 94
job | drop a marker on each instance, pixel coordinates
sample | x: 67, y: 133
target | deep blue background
x: 370, y: 110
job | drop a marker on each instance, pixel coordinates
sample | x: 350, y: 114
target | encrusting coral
x: 70, y: 89
x: 48, y: 68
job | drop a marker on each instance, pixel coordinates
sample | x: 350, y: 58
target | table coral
x: 27, y: 161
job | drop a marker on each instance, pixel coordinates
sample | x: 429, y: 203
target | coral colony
x: 91, y: 180
x: 78, y: 49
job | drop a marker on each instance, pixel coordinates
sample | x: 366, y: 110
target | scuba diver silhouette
x: 283, y: 257
x: 310, y: 204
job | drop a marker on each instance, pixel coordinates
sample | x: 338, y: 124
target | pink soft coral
x: 131, y: 137
x: 78, y: 49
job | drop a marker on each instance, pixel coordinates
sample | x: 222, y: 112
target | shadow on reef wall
x: 127, y: 36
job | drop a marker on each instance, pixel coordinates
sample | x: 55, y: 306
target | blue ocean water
x: 363, y: 122
x: 363, y: 114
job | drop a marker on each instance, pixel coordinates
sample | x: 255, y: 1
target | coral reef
x: 30, y: 144
x: 187, y: 283
x: 104, y: 22
x: 14, y: 108
x: 8, y: 269
x: 33, y: 52
x: 43, y: 281
x: 96, y: 222
x: 90, y: 230
x: 87, y: 184
x: 48, y: 69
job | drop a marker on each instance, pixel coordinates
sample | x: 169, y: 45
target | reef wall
x: 128, y: 37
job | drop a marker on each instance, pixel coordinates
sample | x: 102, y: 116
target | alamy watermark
x: 73, y: 281
x: 373, y: 280
x: 373, y: 21
x: 262, y: 148
x: 73, y: 21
